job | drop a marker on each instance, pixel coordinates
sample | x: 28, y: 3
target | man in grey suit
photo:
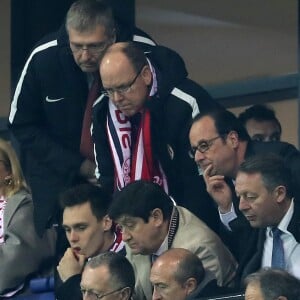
x: 152, y: 223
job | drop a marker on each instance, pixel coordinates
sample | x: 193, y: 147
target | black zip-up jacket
x: 46, y: 119
x: 176, y: 102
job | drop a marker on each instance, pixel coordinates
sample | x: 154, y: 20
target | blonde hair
x: 16, y: 181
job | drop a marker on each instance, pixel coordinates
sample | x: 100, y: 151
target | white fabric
x: 2, y: 208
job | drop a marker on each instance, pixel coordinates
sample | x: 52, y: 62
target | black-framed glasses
x: 93, y: 49
x: 96, y: 296
x: 203, y: 146
x: 122, y: 89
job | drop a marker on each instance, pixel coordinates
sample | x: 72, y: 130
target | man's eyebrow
x: 75, y: 225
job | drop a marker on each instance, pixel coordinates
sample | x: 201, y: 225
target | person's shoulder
x: 50, y: 44
x: 140, y: 36
x: 191, y: 222
x: 22, y: 196
x: 278, y: 147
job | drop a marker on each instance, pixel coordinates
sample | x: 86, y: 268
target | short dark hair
x: 274, y: 283
x: 259, y: 112
x: 273, y: 170
x: 80, y: 194
x: 225, y: 122
x: 139, y: 199
x: 85, y: 15
x: 120, y: 269
x: 189, y: 267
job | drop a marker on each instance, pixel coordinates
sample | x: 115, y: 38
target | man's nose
x: 73, y: 236
x: 117, y: 96
x: 125, y: 235
x: 155, y: 295
x: 243, y: 205
x: 85, y: 54
x: 199, y: 156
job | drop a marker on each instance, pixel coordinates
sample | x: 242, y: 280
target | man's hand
x: 218, y: 190
x: 70, y: 264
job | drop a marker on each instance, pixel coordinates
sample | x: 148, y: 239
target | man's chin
x: 88, y: 69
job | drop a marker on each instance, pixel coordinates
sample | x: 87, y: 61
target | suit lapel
x: 11, y: 206
x: 294, y: 226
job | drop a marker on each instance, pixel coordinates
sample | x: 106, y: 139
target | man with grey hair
x: 108, y: 275
x: 272, y: 284
x: 50, y: 111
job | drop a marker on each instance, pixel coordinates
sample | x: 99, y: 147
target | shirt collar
x: 153, y: 90
x: 285, y: 221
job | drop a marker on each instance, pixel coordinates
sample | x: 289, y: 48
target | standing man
x: 141, y: 124
x: 89, y: 231
x: 50, y: 102
x: 264, y: 187
x: 151, y: 224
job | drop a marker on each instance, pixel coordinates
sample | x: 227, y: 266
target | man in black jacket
x: 219, y: 145
x: 50, y: 100
x: 141, y: 124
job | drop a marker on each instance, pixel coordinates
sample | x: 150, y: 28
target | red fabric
x: 86, y: 144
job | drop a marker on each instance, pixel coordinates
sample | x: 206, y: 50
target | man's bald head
x: 176, y: 274
x: 182, y: 263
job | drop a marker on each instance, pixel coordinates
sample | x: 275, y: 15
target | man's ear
x: 233, y: 139
x: 107, y: 223
x: 125, y: 293
x: 146, y: 75
x: 190, y: 285
x: 280, y: 193
x: 157, y: 216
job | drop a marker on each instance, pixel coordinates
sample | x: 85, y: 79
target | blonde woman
x: 22, y: 251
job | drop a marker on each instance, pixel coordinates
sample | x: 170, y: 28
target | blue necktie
x: 278, y: 251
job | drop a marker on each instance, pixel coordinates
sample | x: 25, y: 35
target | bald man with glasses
x: 141, y: 123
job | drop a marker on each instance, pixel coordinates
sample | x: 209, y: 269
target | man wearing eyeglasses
x: 219, y: 145
x: 108, y: 276
x: 141, y: 123
x: 50, y: 101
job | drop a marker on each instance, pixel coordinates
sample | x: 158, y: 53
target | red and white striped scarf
x: 118, y: 244
x: 137, y: 162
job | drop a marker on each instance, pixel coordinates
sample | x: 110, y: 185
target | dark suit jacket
x: 210, y: 289
x: 245, y: 242
x: 253, y: 264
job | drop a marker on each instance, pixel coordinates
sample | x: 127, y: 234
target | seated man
x: 151, y: 223
x: 109, y: 276
x: 261, y: 123
x: 179, y: 274
x: 219, y: 144
x: 271, y: 284
x: 264, y: 187
x: 89, y: 231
